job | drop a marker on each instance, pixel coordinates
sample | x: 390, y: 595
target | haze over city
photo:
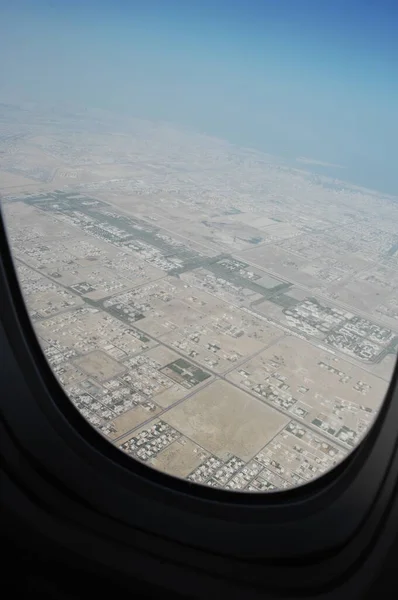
x: 292, y: 78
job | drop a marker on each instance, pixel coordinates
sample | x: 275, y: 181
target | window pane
x: 214, y: 306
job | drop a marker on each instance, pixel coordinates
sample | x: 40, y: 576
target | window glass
x: 201, y: 202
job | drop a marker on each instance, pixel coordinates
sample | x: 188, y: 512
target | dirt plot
x: 225, y: 420
x: 220, y: 342
x: 173, y: 315
x: 360, y: 294
x: 258, y: 220
x: 276, y: 260
x: 68, y: 374
x: 13, y: 183
x: 202, y: 301
x: 280, y: 231
x: 309, y: 374
x: 180, y: 458
x: 171, y: 395
x: 99, y: 365
x: 317, y: 271
x: 130, y: 419
x: 161, y: 355
x: 51, y: 302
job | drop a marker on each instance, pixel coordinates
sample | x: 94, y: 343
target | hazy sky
x: 297, y: 78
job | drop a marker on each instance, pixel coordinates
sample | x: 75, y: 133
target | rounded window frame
x: 258, y: 529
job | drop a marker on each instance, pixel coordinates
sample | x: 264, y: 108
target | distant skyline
x: 298, y: 78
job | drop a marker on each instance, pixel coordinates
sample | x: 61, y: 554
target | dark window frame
x: 302, y: 542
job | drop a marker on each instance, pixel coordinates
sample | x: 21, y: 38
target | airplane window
x: 202, y: 208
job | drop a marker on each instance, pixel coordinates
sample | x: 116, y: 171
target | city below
x: 217, y: 314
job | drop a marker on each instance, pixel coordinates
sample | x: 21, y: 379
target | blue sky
x: 312, y: 78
